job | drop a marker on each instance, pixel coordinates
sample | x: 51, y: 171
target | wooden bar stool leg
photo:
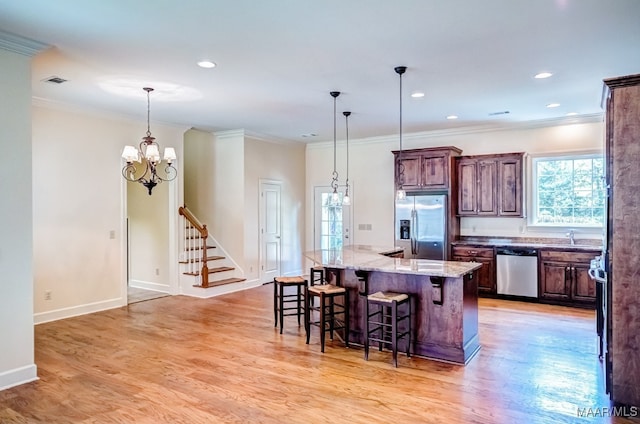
x: 366, y: 331
x: 298, y: 299
x: 307, y: 313
x: 346, y: 318
x: 384, y: 312
x: 275, y: 302
x: 322, y: 321
x: 394, y: 333
x: 409, y: 329
x: 332, y: 314
x: 281, y: 305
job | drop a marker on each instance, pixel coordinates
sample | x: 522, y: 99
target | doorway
x: 332, y: 222
x: 270, y: 229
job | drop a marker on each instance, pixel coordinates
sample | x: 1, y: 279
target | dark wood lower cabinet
x: 487, y: 274
x: 564, y: 278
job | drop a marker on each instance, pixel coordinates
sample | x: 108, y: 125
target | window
x: 568, y: 191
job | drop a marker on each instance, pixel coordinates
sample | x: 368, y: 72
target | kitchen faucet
x: 571, y: 234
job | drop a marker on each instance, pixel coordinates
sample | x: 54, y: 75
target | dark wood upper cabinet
x: 490, y: 185
x: 510, y: 186
x: 425, y: 169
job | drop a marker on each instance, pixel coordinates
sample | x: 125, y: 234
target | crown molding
x: 476, y: 129
x: 21, y: 45
x: 229, y: 134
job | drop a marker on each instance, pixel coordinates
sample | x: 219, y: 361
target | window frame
x: 532, y: 218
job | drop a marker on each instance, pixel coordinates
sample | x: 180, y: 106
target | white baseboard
x: 148, y: 285
x: 18, y: 376
x: 42, y: 317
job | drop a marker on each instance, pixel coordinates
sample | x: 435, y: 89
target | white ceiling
x: 277, y: 60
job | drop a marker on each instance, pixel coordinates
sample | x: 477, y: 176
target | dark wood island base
x: 444, y: 299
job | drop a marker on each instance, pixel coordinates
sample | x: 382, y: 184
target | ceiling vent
x: 55, y: 80
x: 504, y: 112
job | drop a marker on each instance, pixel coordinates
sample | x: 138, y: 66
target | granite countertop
x: 539, y: 243
x: 371, y: 258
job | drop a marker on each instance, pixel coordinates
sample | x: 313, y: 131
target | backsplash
x: 518, y: 228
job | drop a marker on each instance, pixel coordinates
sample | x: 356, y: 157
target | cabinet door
x: 412, y: 171
x: 435, y: 169
x: 467, y: 187
x: 584, y: 288
x: 487, y: 187
x: 510, y: 186
x: 486, y: 275
x: 555, y: 280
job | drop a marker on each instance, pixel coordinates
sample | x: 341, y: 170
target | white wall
x: 371, y: 172
x: 16, y: 248
x: 222, y: 189
x: 78, y: 197
x: 148, y: 234
x: 284, y: 163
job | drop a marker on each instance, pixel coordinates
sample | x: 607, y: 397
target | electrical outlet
x: 157, y: 271
x: 112, y: 235
x: 250, y: 269
x: 47, y: 295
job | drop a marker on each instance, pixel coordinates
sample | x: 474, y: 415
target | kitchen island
x: 444, y: 296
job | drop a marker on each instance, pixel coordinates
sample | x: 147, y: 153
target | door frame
x: 346, y: 223
x: 261, y: 217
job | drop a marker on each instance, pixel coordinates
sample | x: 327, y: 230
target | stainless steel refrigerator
x: 421, y: 226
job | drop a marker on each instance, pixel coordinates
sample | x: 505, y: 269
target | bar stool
x: 282, y: 302
x: 329, y: 311
x: 384, y: 325
x: 316, y: 275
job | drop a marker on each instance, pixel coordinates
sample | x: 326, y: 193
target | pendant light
x: 335, y: 197
x: 346, y: 200
x: 400, y: 193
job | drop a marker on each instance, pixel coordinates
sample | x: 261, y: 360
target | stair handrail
x: 204, y: 234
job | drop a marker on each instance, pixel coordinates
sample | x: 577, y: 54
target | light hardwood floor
x: 185, y: 360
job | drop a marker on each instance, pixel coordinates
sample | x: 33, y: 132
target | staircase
x: 203, y: 264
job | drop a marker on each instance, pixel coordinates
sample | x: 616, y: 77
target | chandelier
x: 148, y: 158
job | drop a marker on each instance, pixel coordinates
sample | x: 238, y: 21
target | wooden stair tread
x: 212, y: 270
x: 199, y: 248
x: 222, y: 282
x: 209, y: 258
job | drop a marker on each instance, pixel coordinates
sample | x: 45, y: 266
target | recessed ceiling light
x: 417, y: 95
x: 543, y: 75
x: 552, y: 105
x: 572, y: 113
x: 206, y: 64
x: 452, y: 117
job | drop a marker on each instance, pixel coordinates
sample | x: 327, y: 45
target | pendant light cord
x: 346, y: 120
x: 334, y: 181
x: 400, y: 70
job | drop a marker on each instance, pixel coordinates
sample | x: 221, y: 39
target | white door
x: 332, y: 222
x: 270, y: 229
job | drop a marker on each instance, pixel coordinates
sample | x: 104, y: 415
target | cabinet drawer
x: 574, y: 257
x: 471, y: 251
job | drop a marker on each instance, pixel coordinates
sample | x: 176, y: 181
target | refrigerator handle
x: 413, y: 231
x: 415, y: 250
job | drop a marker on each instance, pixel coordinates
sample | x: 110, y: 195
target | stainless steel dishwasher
x: 517, y: 271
